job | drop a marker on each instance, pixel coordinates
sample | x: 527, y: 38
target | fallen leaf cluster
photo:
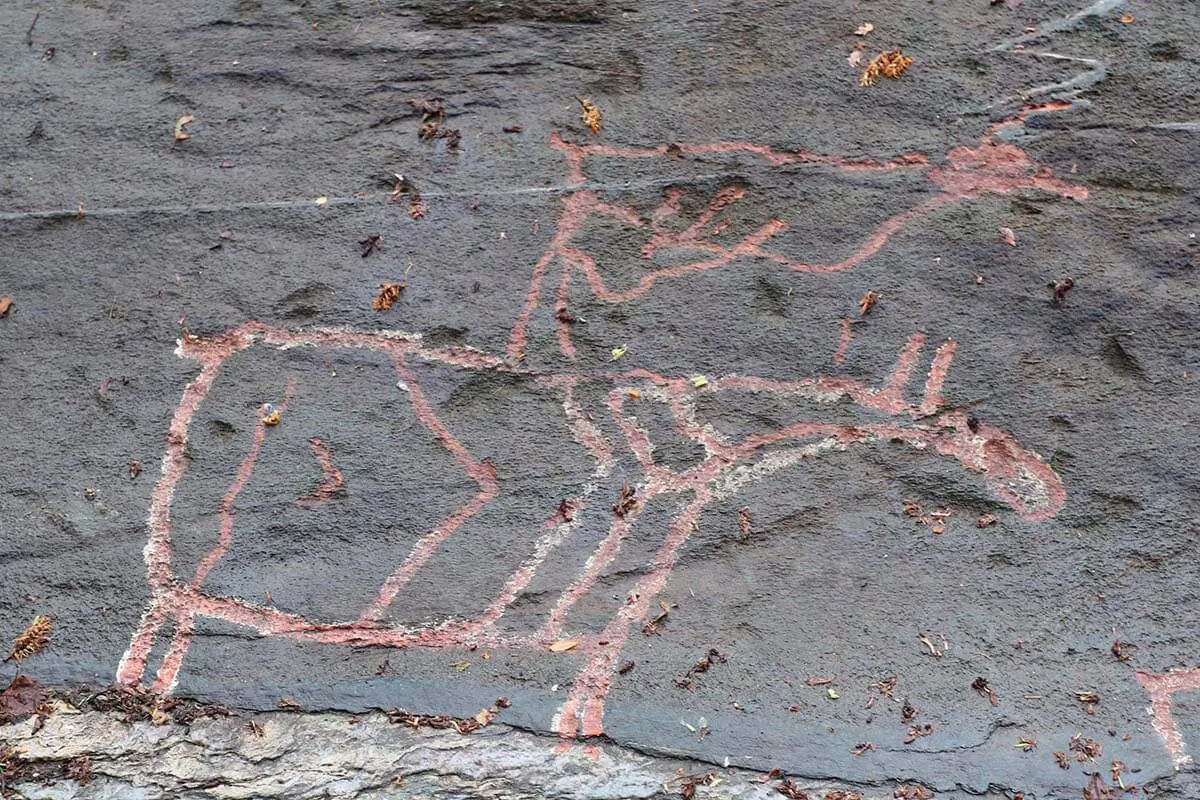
x: 80, y: 770
x: 15, y: 770
x: 1085, y: 749
x: 1089, y: 700
x: 32, y: 641
x: 466, y: 725
x: 688, y: 783
x: 403, y: 186
x: 889, y: 64
x: 913, y: 793
x: 981, y: 686
x: 433, y: 120
x: 713, y: 657
x: 917, y: 731
x: 935, y: 520
x: 789, y: 789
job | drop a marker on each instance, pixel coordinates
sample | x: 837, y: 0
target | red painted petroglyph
x: 331, y: 477
x: 991, y: 167
x: 892, y: 412
x: 1014, y: 474
x: 1160, y: 687
x: 843, y: 342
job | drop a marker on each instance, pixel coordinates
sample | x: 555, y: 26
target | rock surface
x: 885, y: 394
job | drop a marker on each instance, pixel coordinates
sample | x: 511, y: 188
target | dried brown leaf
x: 744, y: 522
x: 1009, y: 236
x: 389, y: 293
x: 590, y: 114
x: 20, y: 700
x: 627, y: 502
x: 867, y: 303
x: 1085, y: 749
x: 860, y: 748
x: 791, y: 790
x: 6, y: 303
x: 981, y: 686
x: 563, y: 645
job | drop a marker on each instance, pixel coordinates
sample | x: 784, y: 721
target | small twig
x: 29, y: 33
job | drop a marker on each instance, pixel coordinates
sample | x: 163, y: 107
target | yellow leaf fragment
x: 563, y: 645
x: 699, y: 381
x: 322, y: 200
x: 617, y: 352
x: 180, y: 134
x: 590, y: 114
x: 1127, y: 19
x: 889, y: 64
x: 867, y: 303
x: 864, y: 29
x: 833, y: 695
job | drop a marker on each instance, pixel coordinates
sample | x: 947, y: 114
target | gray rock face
x: 419, y: 354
